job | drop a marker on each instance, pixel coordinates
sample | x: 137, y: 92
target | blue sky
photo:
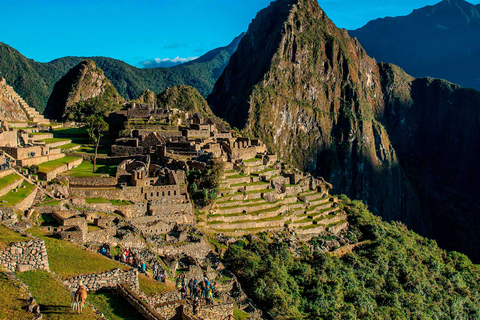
x: 137, y: 30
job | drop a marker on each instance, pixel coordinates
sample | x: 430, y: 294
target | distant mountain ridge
x: 439, y: 41
x: 406, y: 146
x: 34, y: 81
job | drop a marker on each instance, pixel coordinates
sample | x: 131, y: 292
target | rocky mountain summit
x: 81, y: 83
x: 315, y: 97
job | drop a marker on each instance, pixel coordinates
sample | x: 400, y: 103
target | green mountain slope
x: 395, y: 274
x: 84, y: 81
x: 34, y: 81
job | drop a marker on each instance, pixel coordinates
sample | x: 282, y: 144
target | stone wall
x: 8, y: 138
x: 105, y: 280
x: 99, y: 182
x: 4, y: 173
x: 8, y: 216
x: 27, y: 202
x: 52, y: 174
x: 144, y: 309
x: 41, y: 159
x: 25, y: 256
x: 101, y: 236
x: 196, y: 250
x: 9, y: 187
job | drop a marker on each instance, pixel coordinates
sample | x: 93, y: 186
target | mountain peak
x: 82, y: 82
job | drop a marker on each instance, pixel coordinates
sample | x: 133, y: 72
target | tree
x: 96, y: 125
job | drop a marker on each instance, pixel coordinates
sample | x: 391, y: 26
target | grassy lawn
x: 7, y: 236
x: 91, y: 149
x: 51, y: 203
x: 12, y: 198
x: 53, y: 140
x: 151, y: 286
x: 52, y: 165
x: 252, y: 160
x: 120, y: 202
x: 85, y: 169
x: 68, y: 259
x: 92, y: 227
x: 12, y: 301
x: 70, y: 131
x: 8, y: 180
x: 113, y: 306
x: 53, y: 297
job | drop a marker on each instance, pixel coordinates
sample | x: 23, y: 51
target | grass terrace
x: 12, y: 300
x: 112, y: 305
x: 70, y: 131
x: 8, y: 236
x: 85, y: 169
x: 252, y: 160
x: 151, y: 286
x: 12, y: 198
x: 53, y: 298
x: 52, y: 165
x: 68, y: 259
x: 68, y: 146
x: 54, y: 140
x: 91, y: 149
x: 8, y: 180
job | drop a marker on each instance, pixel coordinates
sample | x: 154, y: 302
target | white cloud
x: 165, y: 62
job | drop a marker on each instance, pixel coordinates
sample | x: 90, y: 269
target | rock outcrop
x: 184, y: 98
x: 314, y: 96
x: 83, y: 82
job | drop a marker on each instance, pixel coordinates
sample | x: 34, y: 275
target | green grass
x: 52, y: 165
x: 240, y: 314
x: 92, y: 227
x: 85, y: 169
x: 68, y: 146
x: 71, y: 131
x: 96, y: 200
x: 113, y: 306
x: 53, y: 140
x: 8, y: 235
x: 91, y: 149
x: 68, y: 259
x: 53, y: 298
x: 51, y: 203
x: 12, y: 198
x: 120, y: 202
x: 261, y: 191
x: 236, y: 176
x: 12, y: 300
x: 252, y: 160
x: 8, y: 180
x: 150, y: 286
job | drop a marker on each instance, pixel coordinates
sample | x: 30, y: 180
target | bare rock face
x: 405, y: 146
x: 83, y: 82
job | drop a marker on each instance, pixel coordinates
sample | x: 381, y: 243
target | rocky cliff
x: 83, y: 82
x: 314, y: 96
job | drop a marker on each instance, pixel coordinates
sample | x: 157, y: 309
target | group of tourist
x: 159, y: 274
x: 197, y: 290
x: 132, y: 259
